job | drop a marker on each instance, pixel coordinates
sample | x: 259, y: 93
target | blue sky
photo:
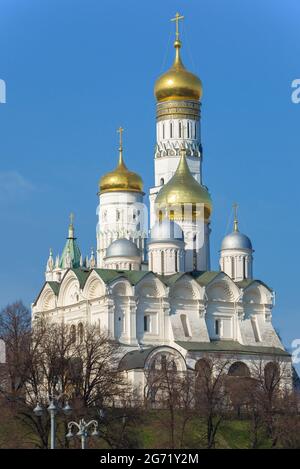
x: 77, y: 69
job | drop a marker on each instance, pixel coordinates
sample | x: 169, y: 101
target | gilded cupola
x: 120, y: 179
x: 178, y: 83
x: 183, y: 196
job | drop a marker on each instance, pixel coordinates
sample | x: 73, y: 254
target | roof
x: 246, y: 283
x: 135, y: 276
x: 135, y: 359
x: 230, y: 346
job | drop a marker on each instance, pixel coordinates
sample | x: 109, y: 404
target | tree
x: 170, y: 389
x: 211, y: 394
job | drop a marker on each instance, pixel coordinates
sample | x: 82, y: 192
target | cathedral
x: 153, y: 290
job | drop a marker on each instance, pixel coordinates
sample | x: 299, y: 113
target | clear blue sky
x: 77, y: 69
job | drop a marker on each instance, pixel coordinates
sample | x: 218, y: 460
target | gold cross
x: 120, y: 131
x: 176, y: 19
x: 71, y: 218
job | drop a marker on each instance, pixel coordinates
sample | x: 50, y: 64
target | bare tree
x: 171, y: 390
x: 211, y: 394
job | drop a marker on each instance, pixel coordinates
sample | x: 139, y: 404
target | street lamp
x: 52, y: 409
x: 82, y: 428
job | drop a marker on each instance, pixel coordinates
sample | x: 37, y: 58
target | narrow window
x: 244, y: 267
x: 195, y: 131
x: 80, y: 332
x: 176, y: 261
x: 147, y: 323
x: 162, y: 181
x: 163, y: 127
x: 218, y: 327
x: 188, y: 130
x: 232, y: 268
x: 184, y: 324
x: 255, y: 329
x: 162, y: 254
x: 179, y: 129
x: 171, y: 130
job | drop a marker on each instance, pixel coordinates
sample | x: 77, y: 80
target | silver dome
x: 122, y: 248
x: 165, y: 231
x: 236, y: 240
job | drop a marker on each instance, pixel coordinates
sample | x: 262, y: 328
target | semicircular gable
x: 151, y: 286
x: 257, y: 293
x: 222, y: 289
x: 69, y: 292
x: 94, y: 287
x: 47, y: 299
x: 187, y: 288
x: 166, y: 354
x: 121, y: 287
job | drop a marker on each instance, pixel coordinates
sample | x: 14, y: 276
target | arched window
x: 185, y: 326
x: 73, y: 333
x: 80, y: 332
x: 239, y: 369
x: 162, y: 181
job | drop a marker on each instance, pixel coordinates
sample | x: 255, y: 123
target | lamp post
x: 82, y: 432
x: 52, y: 409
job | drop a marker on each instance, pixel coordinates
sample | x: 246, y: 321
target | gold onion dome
x: 183, y: 189
x: 178, y: 83
x: 121, y: 179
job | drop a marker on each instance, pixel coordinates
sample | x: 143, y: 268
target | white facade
x: 166, y: 300
x: 120, y: 215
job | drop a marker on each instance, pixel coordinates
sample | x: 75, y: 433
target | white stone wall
x: 120, y: 215
x: 237, y: 263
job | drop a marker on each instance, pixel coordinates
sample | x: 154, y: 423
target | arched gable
x: 170, y: 353
x: 121, y: 287
x: 69, y: 292
x: 94, y: 287
x: 222, y: 289
x: 257, y: 293
x: 187, y: 288
x: 150, y: 286
x: 47, y: 299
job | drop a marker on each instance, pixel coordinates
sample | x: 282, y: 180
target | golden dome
x: 183, y: 189
x: 121, y: 179
x: 178, y: 83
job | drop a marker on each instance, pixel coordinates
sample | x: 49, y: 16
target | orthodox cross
x: 120, y: 131
x: 235, y: 209
x: 177, y: 18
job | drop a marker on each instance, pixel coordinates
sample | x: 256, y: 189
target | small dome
x: 236, y: 240
x: 178, y: 83
x: 121, y: 179
x: 166, y: 231
x: 122, y: 248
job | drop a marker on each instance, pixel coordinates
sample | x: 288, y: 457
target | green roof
x: 245, y: 283
x: 71, y: 248
x: 135, y: 359
x: 55, y: 286
x: 230, y: 346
